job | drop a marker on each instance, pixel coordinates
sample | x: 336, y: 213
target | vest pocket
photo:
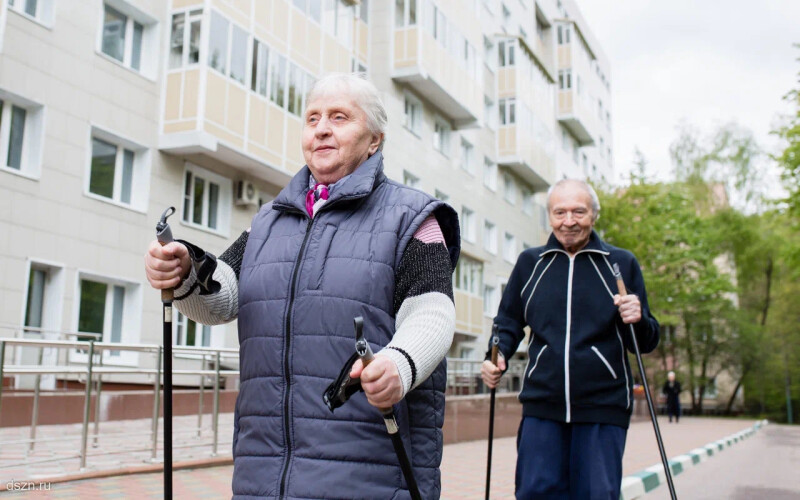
x: 605, y: 362
x: 318, y: 264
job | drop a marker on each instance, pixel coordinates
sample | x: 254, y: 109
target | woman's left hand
x: 380, y: 380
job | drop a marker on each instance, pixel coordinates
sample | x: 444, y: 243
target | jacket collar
x: 359, y: 184
x: 595, y: 245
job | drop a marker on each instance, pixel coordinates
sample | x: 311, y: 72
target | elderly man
x: 577, y: 391
x: 341, y: 240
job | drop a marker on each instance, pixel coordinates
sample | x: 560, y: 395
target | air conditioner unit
x: 246, y: 193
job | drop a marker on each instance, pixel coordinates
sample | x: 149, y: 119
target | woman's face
x: 336, y: 139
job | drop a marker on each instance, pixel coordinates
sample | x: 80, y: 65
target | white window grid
x: 185, y: 43
x: 490, y: 237
x: 413, y: 114
x: 468, y: 224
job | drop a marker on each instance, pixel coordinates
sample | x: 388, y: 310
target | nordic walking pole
x: 164, y: 236
x: 365, y: 353
x: 667, y: 471
x: 495, y: 345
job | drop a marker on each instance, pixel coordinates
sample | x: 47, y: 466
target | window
x: 510, y: 247
x: 506, y: 50
x: 184, y: 45
x: 405, y: 13
x: 111, y: 309
x: 506, y: 18
x: 441, y: 136
x: 563, y: 34
x: 489, y: 300
x: 469, y: 275
x: 128, y: 36
x: 299, y: 81
x: 20, y: 135
x: 467, y: 156
x: 260, y: 68
x: 363, y: 11
x: 337, y: 20
x: 357, y: 66
x: 190, y: 333
x: 206, y: 199
x: 413, y: 114
x: 489, y: 113
x: 43, y: 302
x: 564, y: 79
x: 440, y: 195
x: 468, y: 224
x: 118, y: 170
x: 489, y: 173
x: 410, y: 180
x: 602, y: 149
x: 527, y: 201
x: 227, y: 48
x: 507, y: 108
x: 489, y: 237
x: 311, y: 8
x: 509, y: 190
x: 38, y: 10
x: 277, y: 79
x: 489, y: 55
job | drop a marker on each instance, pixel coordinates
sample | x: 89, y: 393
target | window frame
x: 190, y: 16
x: 467, y: 159
x: 406, y: 21
x: 224, y: 201
x: 490, y: 171
x: 442, y: 132
x: 31, y: 146
x: 44, y: 15
x: 468, y: 224
x: 181, y: 322
x: 509, y: 189
x: 410, y: 180
x: 490, y: 236
x: 140, y: 174
x: 149, y: 42
x: 509, y: 250
x: 415, y: 127
x: 232, y: 26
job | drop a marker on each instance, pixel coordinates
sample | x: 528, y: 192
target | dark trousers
x: 558, y: 461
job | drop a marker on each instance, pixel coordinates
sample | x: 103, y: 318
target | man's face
x: 336, y: 139
x: 571, y: 216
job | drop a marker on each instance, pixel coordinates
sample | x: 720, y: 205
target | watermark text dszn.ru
x: 28, y: 486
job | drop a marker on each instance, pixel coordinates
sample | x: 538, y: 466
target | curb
x: 141, y: 469
x: 645, y: 481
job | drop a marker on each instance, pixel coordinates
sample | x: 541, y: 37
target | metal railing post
x: 2, y: 363
x: 215, y: 422
x: 97, y: 404
x: 200, y: 402
x: 87, y: 404
x: 156, y: 404
x: 36, y: 392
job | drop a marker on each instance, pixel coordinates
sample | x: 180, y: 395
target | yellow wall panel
x: 280, y: 23
x: 237, y: 109
x: 411, y: 44
x: 314, y: 46
x: 181, y: 126
x: 215, y: 97
x: 224, y: 135
x: 564, y: 56
x: 275, y: 126
x: 264, y: 154
x: 179, y: 4
x: 363, y: 39
x: 243, y: 6
x: 294, y: 134
x: 172, y: 105
x: 191, y: 93
x: 257, y: 120
x: 233, y: 13
x: 476, y: 313
x: 298, y: 34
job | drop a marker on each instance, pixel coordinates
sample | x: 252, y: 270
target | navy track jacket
x: 578, y: 370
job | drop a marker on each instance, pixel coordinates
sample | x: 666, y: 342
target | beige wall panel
x: 179, y: 4
x: 399, y: 49
x: 294, y: 134
x: 181, y: 126
x: 275, y: 126
x: 244, y: 6
x: 411, y: 44
x: 257, y: 120
x: 363, y: 39
x: 511, y: 139
x: 564, y: 56
x: 224, y: 135
x: 263, y: 154
x: 172, y: 105
x: 280, y: 23
x: 298, y: 46
x: 314, y: 46
x: 215, y: 97
x: 191, y: 93
x: 237, y: 109
x: 462, y: 309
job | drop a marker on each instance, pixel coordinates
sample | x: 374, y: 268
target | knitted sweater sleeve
x: 423, y: 302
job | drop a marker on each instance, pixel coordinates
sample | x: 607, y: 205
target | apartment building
x: 113, y: 110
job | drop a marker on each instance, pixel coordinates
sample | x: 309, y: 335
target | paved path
x: 765, y: 466
x: 463, y: 468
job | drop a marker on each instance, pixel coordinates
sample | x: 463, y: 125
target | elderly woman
x: 341, y: 240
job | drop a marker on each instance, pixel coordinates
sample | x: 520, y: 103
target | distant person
x: 672, y: 390
x: 577, y: 390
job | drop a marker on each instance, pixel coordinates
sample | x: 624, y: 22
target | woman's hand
x: 380, y: 380
x: 166, y: 266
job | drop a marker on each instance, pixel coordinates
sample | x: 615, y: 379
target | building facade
x: 113, y: 110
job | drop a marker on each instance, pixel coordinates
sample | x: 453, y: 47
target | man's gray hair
x: 364, y: 93
x: 586, y: 186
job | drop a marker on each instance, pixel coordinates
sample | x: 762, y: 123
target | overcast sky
x: 704, y: 62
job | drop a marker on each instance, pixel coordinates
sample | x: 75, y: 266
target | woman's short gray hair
x: 586, y: 186
x: 365, y: 94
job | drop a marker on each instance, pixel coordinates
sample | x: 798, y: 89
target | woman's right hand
x: 166, y: 266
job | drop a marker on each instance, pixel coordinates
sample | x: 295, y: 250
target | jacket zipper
x: 286, y: 371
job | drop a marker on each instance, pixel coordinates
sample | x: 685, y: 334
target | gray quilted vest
x: 302, y: 282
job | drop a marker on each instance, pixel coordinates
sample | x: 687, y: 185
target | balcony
x: 469, y: 315
x: 576, y: 116
x: 531, y: 160
x: 423, y: 64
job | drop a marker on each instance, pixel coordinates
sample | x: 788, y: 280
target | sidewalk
x: 463, y: 467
